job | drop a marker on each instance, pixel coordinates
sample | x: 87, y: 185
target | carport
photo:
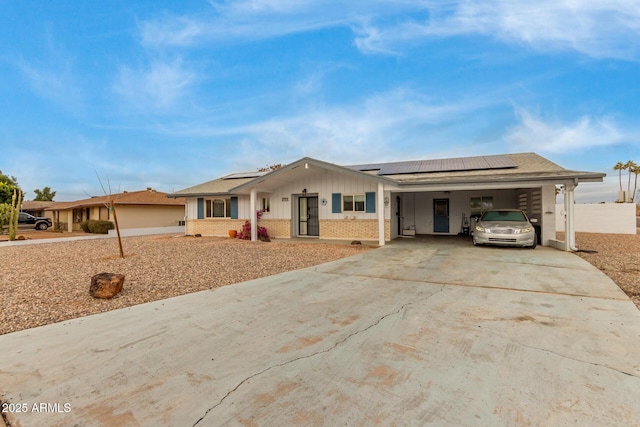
x: 444, y: 196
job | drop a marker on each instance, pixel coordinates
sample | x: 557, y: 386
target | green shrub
x: 96, y: 226
x: 101, y: 226
x: 85, y: 225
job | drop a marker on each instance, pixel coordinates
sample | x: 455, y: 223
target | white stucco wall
x: 614, y: 218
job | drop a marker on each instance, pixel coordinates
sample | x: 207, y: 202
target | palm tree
x: 618, y: 167
x: 628, y: 167
x: 636, y: 170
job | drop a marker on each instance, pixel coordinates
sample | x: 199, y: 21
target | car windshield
x: 503, y: 216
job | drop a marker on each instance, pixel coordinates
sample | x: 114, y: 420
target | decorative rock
x: 106, y: 285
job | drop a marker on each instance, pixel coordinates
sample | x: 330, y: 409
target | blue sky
x: 174, y: 93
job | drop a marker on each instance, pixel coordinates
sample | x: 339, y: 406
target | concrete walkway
x: 414, y: 333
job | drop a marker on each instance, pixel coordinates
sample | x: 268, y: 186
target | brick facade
x: 213, y: 226
x: 362, y: 229
x: 279, y: 228
x: 357, y: 229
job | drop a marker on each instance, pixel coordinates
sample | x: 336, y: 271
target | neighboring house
x: 135, y: 209
x: 37, y: 208
x: 383, y: 201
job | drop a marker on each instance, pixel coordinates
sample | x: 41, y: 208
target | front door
x: 441, y: 216
x: 308, y: 224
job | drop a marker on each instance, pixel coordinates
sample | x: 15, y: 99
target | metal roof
x: 439, y: 165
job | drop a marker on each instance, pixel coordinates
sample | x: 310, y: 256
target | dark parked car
x: 26, y: 220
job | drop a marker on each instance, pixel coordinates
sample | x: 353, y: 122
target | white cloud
x: 554, y: 136
x: 593, y: 27
x: 159, y: 87
x: 388, y: 126
x: 172, y: 31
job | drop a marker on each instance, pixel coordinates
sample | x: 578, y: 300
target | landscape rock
x: 106, y: 285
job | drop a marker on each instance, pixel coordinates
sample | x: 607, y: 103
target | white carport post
x: 380, y: 210
x: 569, y: 225
x: 253, y: 215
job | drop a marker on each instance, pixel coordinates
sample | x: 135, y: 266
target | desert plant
x: 245, y: 233
x: 4, y: 216
x: 14, y: 213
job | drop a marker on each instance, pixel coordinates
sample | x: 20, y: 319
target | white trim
x: 253, y: 215
x: 380, y: 213
x: 569, y: 225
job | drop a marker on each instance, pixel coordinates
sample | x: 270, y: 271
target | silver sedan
x: 510, y: 227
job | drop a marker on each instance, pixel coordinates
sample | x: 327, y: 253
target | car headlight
x: 478, y: 228
x: 525, y: 230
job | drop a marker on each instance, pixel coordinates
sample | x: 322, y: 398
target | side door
x: 441, y: 215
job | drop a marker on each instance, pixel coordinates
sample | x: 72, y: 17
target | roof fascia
x: 535, y: 180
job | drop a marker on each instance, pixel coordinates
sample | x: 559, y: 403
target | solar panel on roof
x: 440, y: 165
x: 244, y: 175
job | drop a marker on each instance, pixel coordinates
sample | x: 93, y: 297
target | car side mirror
x: 534, y: 220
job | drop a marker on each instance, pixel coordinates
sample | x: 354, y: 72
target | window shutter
x: 336, y: 203
x: 200, y: 208
x: 370, y: 203
x: 234, y: 208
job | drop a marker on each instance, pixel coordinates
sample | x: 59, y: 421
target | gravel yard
x: 618, y: 256
x: 47, y: 283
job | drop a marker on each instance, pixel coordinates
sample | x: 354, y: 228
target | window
x: 217, y: 208
x: 77, y: 216
x: 353, y: 203
x: 266, y: 204
x: 481, y: 204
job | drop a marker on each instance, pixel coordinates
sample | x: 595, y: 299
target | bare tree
x: 111, y: 205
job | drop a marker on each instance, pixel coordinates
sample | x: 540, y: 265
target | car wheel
x: 42, y: 226
x: 533, y: 246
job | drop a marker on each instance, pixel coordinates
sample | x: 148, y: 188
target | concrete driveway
x: 418, y: 332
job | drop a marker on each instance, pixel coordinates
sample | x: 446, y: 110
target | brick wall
x: 213, y: 226
x: 221, y: 226
x: 276, y: 227
x: 357, y: 229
